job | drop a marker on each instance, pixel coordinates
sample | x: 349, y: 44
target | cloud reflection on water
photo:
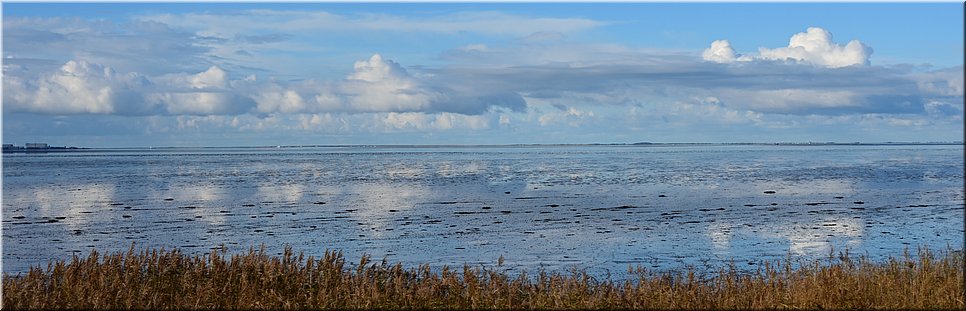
x: 815, y: 238
x: 720, y: 235
x: 280, y: 194
x: 76, y: 203
x: 378, y: 201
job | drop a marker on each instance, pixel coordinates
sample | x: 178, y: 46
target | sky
x: 258, y: 74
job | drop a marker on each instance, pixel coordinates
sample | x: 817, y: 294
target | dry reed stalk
x: 160, y: 279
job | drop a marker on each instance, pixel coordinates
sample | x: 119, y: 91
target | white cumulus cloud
x: 382, y: 85
x: 214, y: 77
x: 77, y: 87
x: 374, y: 85
x: 285, y: 101
x: 209, y: 92
x: 438, y: 121
x: 814, y: 46
x: 719, y: 52
x: 82, y: 87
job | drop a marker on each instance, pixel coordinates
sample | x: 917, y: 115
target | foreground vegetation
x: 159, y: 279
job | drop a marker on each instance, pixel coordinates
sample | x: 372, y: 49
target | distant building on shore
x: 12, y: 148
x: 35, y: 148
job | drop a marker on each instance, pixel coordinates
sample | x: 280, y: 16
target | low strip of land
x: 159, y: 279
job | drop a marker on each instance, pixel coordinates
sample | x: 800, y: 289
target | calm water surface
x: 596, y: 207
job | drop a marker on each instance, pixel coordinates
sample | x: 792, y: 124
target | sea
x: 597, y: 208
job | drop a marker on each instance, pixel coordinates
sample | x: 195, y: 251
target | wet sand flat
x: 597, y: 208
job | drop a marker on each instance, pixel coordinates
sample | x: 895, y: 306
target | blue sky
x: 196, y: 74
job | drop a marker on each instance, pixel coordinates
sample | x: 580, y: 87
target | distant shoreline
x: 44, y: 150
x: 638, y: 144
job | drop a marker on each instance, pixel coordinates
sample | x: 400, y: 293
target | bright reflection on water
x: 376, y: 202
x: 597, y: 207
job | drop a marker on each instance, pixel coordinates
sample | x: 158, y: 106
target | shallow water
x: 596, y: 207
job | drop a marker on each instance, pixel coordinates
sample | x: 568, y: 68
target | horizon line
x: 643, y: 143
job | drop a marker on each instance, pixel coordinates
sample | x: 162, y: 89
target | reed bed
x: 160, y: 279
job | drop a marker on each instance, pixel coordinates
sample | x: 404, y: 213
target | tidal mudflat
x: 600, y: 208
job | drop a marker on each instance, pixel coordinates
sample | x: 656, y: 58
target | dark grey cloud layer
x: 764, y: 86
